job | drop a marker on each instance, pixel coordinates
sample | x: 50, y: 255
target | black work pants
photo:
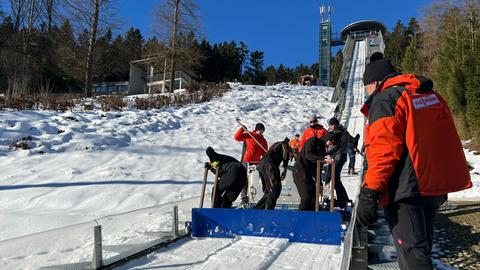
x: 229, y: 186
x: 411, y: 223
x: 272, y: 185
x: 306, y: 187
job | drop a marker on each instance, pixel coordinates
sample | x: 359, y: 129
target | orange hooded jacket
x: 411, y: 143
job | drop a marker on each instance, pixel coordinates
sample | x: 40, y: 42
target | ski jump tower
x: 325, y: 52
x: 327, y: 40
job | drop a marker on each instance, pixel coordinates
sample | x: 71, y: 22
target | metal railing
x: 98, y: 243
x: 319, y: 199
x: 339, y: 94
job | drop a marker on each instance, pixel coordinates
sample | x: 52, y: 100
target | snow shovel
x: 215, y: 184
x: 332, y: 187
x: 296, y: 226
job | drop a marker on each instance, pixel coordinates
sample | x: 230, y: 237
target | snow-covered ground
x: 101, y: 163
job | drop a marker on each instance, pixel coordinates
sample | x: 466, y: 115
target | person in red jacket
x: 314, y: 129
x: 254, y: 147
x: 415, y: 158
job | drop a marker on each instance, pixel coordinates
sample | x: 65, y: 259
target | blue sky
x: 285, y: 30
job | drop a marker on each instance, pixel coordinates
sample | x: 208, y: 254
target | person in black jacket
x: 232, y: 177
x: 352, y: 150
x: 305, y: 168
x: 269, y: 172
x: 338, y: 152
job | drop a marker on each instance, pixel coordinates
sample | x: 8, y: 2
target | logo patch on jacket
x: 425, y: 101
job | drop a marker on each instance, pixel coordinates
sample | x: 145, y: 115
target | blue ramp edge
x: 297, y: 226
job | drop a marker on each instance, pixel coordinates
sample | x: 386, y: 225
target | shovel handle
x: 204, y: 184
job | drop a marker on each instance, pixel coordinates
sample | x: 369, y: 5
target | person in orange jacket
x: 253, y: 149
x: 314, y: 129
x: 415, y: 158
x: 295, y: 145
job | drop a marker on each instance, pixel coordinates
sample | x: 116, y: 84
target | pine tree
x: 413, y: 29
x: 471, y: 26
x: 314, y: 69
x: 68, y: 58
x: 270, y: 75
x: 448, y: 74
x: 301, y: 70
x: 281, y: 74
x: 254, y: 72
x: 395, y: 44
x: 410, y: 60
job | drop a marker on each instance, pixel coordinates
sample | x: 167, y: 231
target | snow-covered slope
x: 98, y: 163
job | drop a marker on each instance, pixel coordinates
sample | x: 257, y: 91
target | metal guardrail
x: 354, y: 237
x: 339, y: 94
x: 101, y: 242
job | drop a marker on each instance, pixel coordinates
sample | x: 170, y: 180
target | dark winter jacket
x: 225, y: 162
x: 341, y: 139
x: 353, y: 143
x: 277, y: 153
x: 313, y: 150
x: 411, y: 143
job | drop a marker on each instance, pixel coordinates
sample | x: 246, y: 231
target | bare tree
x: 94, y: 16
x: 48, y: 11
x: 17, y: 7
x: 174, y: 17
x: 25, y: 14
x: 1, y: 10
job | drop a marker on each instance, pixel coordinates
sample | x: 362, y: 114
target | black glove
x: 284, y: 174
x: 208, y: 166
x: 367, y: 206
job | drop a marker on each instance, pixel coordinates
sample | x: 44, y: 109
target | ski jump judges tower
x: 325, y: 52
x: 373, y: 30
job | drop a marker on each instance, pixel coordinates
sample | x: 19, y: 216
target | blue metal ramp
x: 296, y: 226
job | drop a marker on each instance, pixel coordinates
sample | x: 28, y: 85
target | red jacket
x: 411, y: 143
x: 309, y: 132
x: 253, y: 151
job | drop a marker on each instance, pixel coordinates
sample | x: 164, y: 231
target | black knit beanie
x: 376, y: 56
x: 259, y: 126
x: 377, y: 70
x: 333, y: 121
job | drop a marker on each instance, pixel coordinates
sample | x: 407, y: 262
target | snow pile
x: 472, y: 194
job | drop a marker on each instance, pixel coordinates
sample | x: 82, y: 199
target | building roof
x: 363, y: 26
